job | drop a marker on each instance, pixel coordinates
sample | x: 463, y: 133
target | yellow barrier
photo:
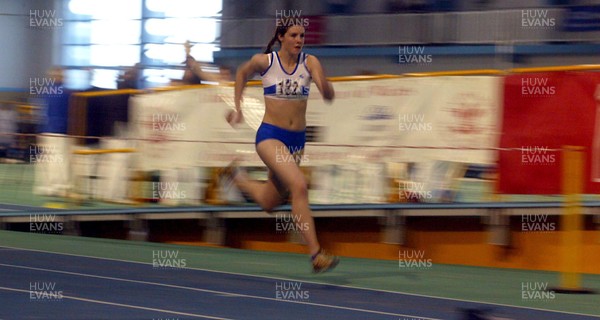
x: 103, y: 151
x: 106, y: 93
x: 572, y: 221
x: 587, y: 67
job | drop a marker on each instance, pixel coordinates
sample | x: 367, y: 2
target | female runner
x: 286, y: 78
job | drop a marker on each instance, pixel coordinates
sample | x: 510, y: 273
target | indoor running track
x: 44, y: 285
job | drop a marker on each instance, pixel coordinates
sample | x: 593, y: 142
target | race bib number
x: 288, y: 87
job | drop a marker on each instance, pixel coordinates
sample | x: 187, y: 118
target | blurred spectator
x: 189, y: 76
x: 193, y: 73
x: 56, y: 104
x: 129, y: 79
x: 8, y: 125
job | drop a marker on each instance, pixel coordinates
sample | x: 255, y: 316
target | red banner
x: 543, y: 112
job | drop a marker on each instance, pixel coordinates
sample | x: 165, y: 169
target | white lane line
x: 321, y: 283
x: 127, y: 306
x: 231, y: 294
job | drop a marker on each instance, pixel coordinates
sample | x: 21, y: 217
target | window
x: 101, y: 37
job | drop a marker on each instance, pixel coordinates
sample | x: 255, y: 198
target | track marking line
x: 222, y: 293
x: 319, y: 283
x: 126, y: 305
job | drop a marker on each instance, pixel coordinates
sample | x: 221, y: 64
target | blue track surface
x: 42, y: 285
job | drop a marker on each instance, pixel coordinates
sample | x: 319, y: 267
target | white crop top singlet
x: 278, y: 84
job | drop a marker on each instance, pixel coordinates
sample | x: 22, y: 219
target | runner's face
x: 293, y: 40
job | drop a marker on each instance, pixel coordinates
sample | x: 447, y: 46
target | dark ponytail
x: 271, y: 43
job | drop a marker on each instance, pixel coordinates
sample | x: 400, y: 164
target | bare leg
x: 285, y: 175
x: 290, y: 176
x: 266, y: 194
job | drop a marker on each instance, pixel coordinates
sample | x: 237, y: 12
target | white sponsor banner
x: 51, y: 157
x: 112, y: 170
x: 420, y: 120
x: 436, y: 112
x: 432, y: 122
x: 186, y: 128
